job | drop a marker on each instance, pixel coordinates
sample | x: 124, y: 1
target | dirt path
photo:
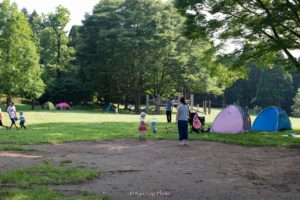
x: 158, y: 169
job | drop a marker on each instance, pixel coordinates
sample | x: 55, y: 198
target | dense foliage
x: 258, y: 29
x: 128, y: 48
x: 132, y: 47
x: 20, y: 71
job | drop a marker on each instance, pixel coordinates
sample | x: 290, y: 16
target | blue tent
x: 272, y: 119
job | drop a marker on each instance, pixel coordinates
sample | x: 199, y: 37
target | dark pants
x: 22, y: 125
x: 13, y: 123
x: 183, y: 130
x: 169, y: 115
x: 1, y: 124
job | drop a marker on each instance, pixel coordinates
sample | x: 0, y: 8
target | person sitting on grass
x: 22, y: 121
x: 12, y: 114
x: 1, y: 124
x: 142, y: 126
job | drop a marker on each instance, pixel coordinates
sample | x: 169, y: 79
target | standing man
x: 169, y: 109
x: 11, y: 110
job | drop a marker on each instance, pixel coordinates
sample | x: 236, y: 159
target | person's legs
x: 22, y: 125
x: 13, y: 123
x: 185, y: 132
x: 180, y: 131
x: 169, y: 114
x: 144, y: 135
x: 1, y: 124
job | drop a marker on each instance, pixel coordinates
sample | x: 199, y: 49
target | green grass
x: 44, y: 194
x: 66, y: 161
x: 44, y: 174
x: 15, y: 148
x: 255, y: 139
x: 91, y: 125
x: 30, y: 183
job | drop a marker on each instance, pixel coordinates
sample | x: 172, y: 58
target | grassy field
x: 32, y: 182
x: 81, y: 124
x: 91, y: 125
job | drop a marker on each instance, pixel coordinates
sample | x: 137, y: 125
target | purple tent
x: 233, y: 119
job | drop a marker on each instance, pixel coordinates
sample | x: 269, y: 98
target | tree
x: 57, y: 22
x: 261, y: 28
x: 134, y: 47
x: 296, y: 106
x: 57, y: 55
x: 121, y: 48
x: 275, y: 89
x: 20, y: 71
x: 243, y: 91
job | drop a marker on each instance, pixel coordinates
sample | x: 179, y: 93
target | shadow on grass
x: 70, y: 131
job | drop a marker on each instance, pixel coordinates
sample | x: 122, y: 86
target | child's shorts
x: 1, y: 123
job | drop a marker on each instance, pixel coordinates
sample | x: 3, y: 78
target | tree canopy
x: 259, y: 29
x: 20, y: 71
x: 133, y: 47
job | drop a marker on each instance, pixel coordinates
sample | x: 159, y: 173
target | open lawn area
x: 93, y: 125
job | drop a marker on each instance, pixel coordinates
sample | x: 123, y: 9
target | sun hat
x: 143, y: 114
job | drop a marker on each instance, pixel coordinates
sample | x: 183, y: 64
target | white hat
x: 143, y: 114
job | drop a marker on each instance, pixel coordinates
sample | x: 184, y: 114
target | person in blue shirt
x: 169, y: 110
x: 22, y: 121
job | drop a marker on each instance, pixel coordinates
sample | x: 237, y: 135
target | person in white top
x: 11, y: 110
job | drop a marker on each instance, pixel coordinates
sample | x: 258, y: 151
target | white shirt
x: 11, y: 110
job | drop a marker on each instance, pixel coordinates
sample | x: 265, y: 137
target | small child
x: 154, y: 125
x: 22, y: 121
x: 1, y: 124
x: 143, y: 126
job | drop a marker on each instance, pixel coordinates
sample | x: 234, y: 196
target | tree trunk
x: 138, y: 103
x: 157, y: 103
x: 126, y: 103
x: 32, y: 104
x: 58, y: 55
x: 8, y: 100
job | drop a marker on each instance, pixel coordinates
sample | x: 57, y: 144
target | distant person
x: 182, y: 121
x: 169, y: 109
x: 142, y: 126
x: 11, y: 110
x: 22, y: 121
x: 1, y: 124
